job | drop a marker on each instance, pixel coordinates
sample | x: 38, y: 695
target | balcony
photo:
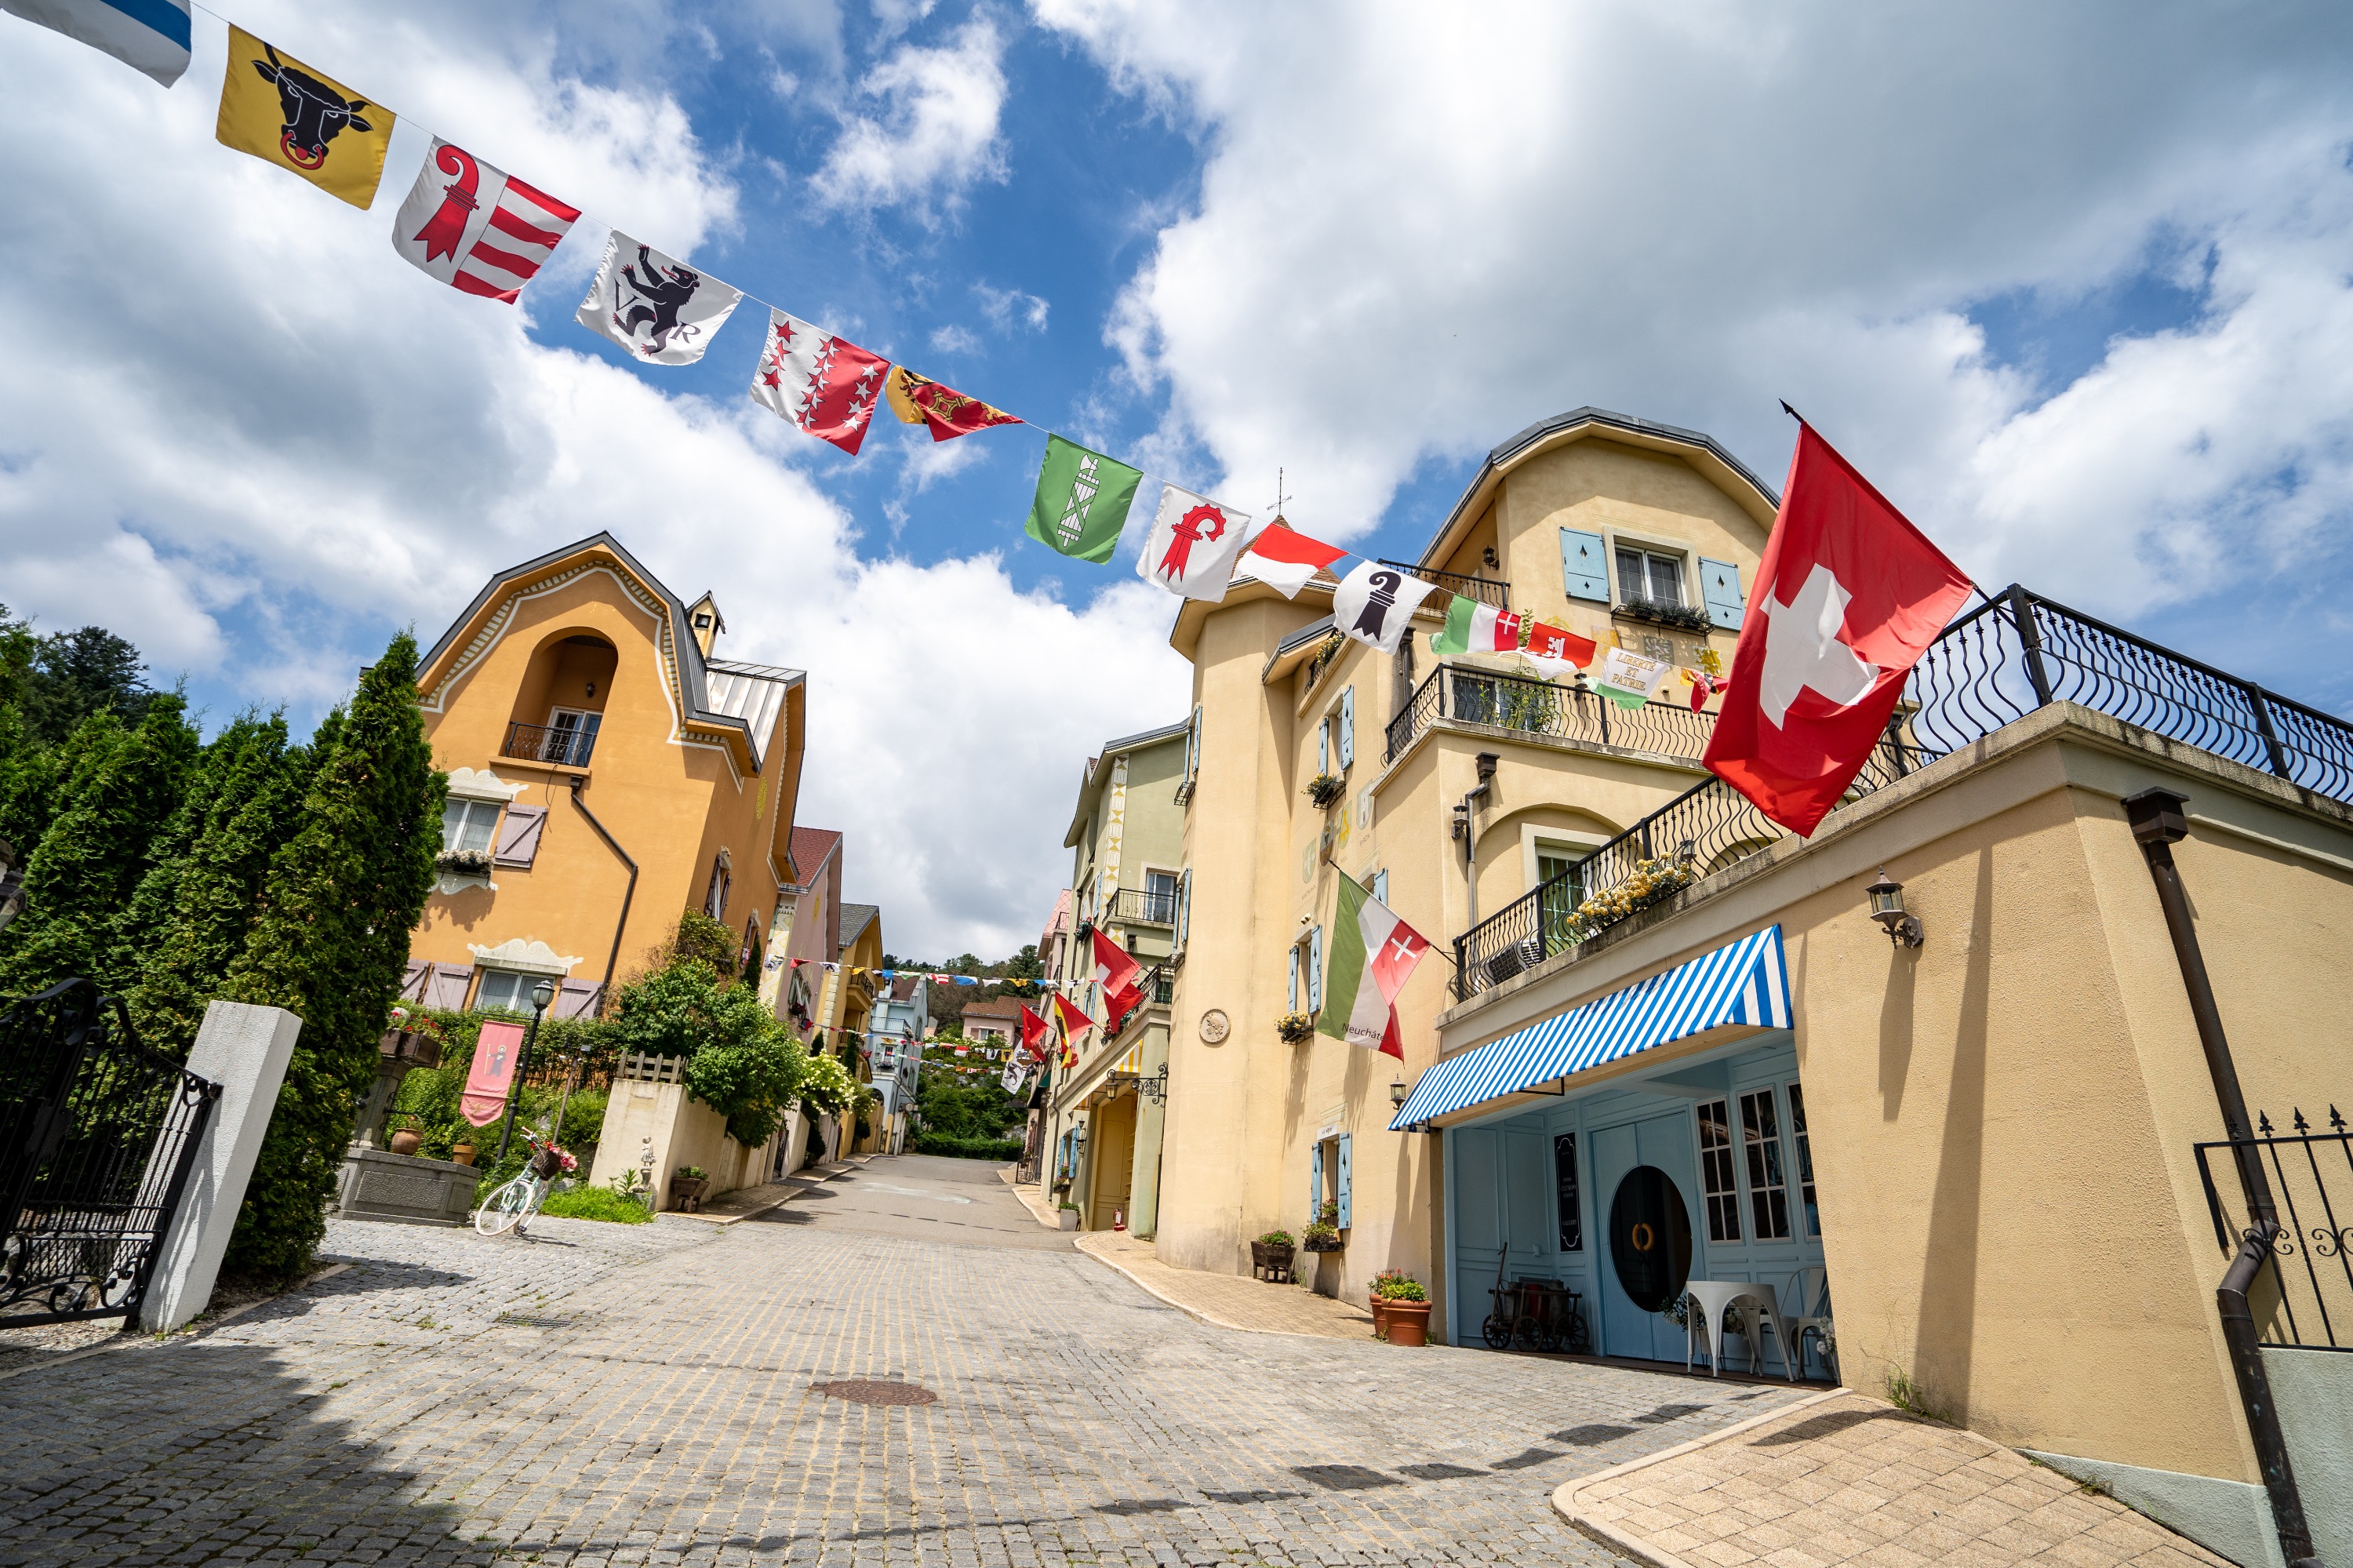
x: 2014, y: 653
x: 564, y: 745
x: 1143, y: 907
x: 1486, y: 590
x: 1465, y: 696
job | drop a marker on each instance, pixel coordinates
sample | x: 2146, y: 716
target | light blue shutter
x: 1184, y: 904
x: 1294, y: 977
x: 1193, y: 743
x: 1584, y: 565
x: 1720, y: 586
x: 1381, y: 889
x: 1315, y: 968
x: 1324, y: 746
x: 1315, y: 1185
x: 1344, y: 1181
x: 1347, y: 727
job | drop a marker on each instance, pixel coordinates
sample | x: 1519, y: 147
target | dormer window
x: 703, y: 622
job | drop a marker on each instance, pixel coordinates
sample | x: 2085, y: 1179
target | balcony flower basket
x: 463, y: 863
x: 1320, y: 1237
x: 1661, y: 612
x: 1271, y: 1257
x: 1294, y: 1027
x: 1325, y: 789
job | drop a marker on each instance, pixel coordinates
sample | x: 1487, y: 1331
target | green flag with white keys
x: 1082, y: 501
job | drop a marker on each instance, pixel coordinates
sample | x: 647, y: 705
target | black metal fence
x: 563, y: 745
x: 2311, y: 1175
x: 1143, y: 905
x: 1486, y: 590
x: 1521, y: 702
x: 96, y: 1137
x: 1999, y: 663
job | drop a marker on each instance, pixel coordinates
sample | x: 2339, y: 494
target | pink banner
x: 485, y: 1099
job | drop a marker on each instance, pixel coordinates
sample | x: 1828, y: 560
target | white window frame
x: 1681, y: 550
x: 470, y: 813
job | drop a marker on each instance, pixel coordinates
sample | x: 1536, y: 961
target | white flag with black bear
x: 657, y: 308
x: 1376, y: 603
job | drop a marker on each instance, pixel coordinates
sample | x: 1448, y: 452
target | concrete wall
x: 685, y: 1132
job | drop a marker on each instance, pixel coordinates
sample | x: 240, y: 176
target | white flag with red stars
x: 826, y: 385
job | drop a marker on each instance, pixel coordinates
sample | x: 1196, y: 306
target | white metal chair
x: 1759, y: 1314
x: 1813, y: 1317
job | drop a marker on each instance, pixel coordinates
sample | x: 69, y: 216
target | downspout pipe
x: 2160, y: 821
x: 605, y: 992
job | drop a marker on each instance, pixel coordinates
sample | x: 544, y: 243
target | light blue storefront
x: 1694, y: 1168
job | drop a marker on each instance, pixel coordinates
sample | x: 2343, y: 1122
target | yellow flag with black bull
x: 283, y: 113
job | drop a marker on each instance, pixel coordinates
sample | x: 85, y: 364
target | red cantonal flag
x: 1073, y: 1021
x: 1034, y: 1031
x: 1117, y: 972
x: 1848, y: 596
x: 1284, y: 560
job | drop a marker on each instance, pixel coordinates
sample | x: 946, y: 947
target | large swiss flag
x: 1847, y: 598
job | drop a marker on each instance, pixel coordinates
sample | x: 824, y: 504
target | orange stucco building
x: 606, y: 774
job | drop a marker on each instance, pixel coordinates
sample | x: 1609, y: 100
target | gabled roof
x: 855, y: 918
x: 812, y: 847
x: 1058, y: 922
x: 1005, y: 1007
x: 744, y: 691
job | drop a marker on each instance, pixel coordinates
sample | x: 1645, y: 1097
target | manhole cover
x: 870, y: 1391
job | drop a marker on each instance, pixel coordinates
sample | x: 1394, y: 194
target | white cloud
x: 1004, y: 306
x: 244, y: 431
x: 1463, y: 221
x: 937, y: 133
x: 954, y: 339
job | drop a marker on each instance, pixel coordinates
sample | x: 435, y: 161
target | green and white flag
x: 1629, y: 680
x: 1373, y: 951
x: 1082, y: 501
x: 1475, y: 628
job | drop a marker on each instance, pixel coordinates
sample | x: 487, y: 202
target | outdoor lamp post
x: 1886, y: 896
x: 543, y: 996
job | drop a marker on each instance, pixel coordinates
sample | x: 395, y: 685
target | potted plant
x: 1407, y: 1310
x: 1294, y: 1027
x: 686, y: 1185
x: 464, y: 1153
x: 1384, y: 1283
x: 405, y: 1140
x: 1068, y: 1215
x: 1271, y: 1256
x: 1325, y: 789
x: 1324, y: 1235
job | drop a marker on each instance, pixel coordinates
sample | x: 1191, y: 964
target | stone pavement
x: 1229, y: 1300
x: 905, y: 1371
x: 1846, y: 1479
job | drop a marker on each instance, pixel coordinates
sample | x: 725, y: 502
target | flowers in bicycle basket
x: 550, y: 1162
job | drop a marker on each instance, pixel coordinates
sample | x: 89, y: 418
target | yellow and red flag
x: 283, y: 113
x: 920, y: 400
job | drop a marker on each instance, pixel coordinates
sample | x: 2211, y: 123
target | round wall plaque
x: 1214, y: 1026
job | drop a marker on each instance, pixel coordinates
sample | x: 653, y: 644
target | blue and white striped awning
x: 1746, y: 982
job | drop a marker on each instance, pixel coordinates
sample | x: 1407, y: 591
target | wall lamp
x: 1396, y: 1091
x: 1887, y: 907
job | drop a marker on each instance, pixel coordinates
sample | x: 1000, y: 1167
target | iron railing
x: 2311, y: 1175
x: 565, y: 746
x: 1143, y: 907
x: 1662, y: 612
x: 2012, y: 654
x: 1467, y: 696
x: 1486, y: 590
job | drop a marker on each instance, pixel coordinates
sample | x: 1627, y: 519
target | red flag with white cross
x: 1848, y: 596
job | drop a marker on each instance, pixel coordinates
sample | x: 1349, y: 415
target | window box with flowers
x: 1325, y: 789
x: 1294, y: 1027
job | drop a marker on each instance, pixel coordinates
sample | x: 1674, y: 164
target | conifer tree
x: 330, y: 944
x: 111, y: 810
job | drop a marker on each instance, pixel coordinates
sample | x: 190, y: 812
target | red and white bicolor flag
x: 826, y: 385
x: 1117, y: 972
x: 1284, y: 560
x: 477, y: 229
x: 1034, y: 1031
x: 1848, y: 596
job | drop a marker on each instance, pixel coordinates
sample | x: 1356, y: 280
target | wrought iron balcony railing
x: 1538, y: 707
x: 1486, y: 590
x: 565, y: 746
x: 2012, y: 654
x: 1143, y: 907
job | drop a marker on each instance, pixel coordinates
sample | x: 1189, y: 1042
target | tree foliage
x: 740, y: 1061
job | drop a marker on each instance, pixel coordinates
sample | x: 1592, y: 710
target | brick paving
x: 1229, y: 1300
x: 644, y: 1395
x: 1847, y: 1479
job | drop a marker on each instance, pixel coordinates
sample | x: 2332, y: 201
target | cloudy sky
x: 2074, y: 284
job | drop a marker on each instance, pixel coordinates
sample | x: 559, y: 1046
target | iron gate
x: 2311, y: 1174
x: 97, y: 1137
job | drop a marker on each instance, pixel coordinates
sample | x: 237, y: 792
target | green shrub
x: 595, y: 1203
x: 966, y: 1147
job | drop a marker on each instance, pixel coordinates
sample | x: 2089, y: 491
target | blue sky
x: 2071, y: 285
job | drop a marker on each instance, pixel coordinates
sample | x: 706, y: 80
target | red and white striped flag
x: 478, y: 228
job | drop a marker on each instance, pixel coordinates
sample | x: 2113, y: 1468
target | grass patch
x: 1909, y: 1396
x: 595, y: 1203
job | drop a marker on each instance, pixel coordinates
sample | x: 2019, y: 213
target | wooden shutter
x: 412, y: 979
x: 1719, y: 584
x: 576, y: 999
x: 1344, y: 1181
x: 1315, y: 1184
x: 448, y: 985
x: 519, y: 835
x: 1584, y: 565
x: 1323, y: 746
x: 1315, y: 968
x: 1347, y: 727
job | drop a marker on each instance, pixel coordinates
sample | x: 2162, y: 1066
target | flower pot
x: 405, y: 1141
x: 1321, y: 1244
x: 1380, y: 1316
x: 1270, y: 1262
x: 464, y: 1153
x: 1409, y: 1322
x: 1070, y: 1219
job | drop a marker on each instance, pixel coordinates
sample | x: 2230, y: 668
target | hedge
x: 1003, y: 1148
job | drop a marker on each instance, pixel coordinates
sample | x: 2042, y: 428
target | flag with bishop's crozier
x: 1284, y: 560
x: 1848, y: 596
x: 1082, y: 501
x: 661, y: 310
x: 823, y: 383
x: 283, y: 113
x: 1192, y: 546
x: 1375, y: 604
x: 1373, y: 955
x: 476, y: 227
x: 920, y: 400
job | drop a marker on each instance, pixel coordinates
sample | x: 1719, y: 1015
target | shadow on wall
x: 1943, y: 1349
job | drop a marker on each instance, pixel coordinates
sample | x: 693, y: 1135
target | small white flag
x: 1192, y: 546
x: 477, y: 229
x: 657, y: 308
x: 1376, y: 603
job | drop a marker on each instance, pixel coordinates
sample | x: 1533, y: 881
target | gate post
x: 245, y: 1050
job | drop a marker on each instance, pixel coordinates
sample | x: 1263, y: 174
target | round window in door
x: 1650, y: 1238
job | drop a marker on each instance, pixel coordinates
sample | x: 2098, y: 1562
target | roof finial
x: 1278, y: 494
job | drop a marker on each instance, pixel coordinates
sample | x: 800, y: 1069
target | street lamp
x: 543, y: 996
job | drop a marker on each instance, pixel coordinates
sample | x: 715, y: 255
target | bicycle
x: 513, y: 1202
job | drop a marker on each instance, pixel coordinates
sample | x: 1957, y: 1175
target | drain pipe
x: 2158, y: 821
x: 1463, y: 831
x: 605, y: 992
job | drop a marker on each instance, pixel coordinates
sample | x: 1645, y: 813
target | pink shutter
x: 448, y: 987
x: 577, y: 999
x: 519, y: 835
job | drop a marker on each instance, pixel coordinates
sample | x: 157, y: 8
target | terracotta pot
x: 1409, y: 1322
x: 464, y: 1153
x: 405, y: 1141
x: 1380, y: 1316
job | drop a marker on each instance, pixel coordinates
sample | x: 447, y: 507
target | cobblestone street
x: 605, y: 1394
